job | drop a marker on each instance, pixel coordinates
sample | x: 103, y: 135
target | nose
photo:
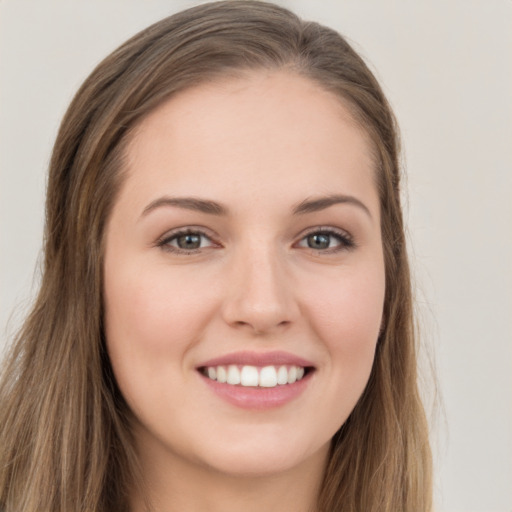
x: 261, y: 297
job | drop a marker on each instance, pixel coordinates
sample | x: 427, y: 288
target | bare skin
x: 290, y: 491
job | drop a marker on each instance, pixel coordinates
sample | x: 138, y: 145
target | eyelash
x: 346, y: 242
x: 164, y: 242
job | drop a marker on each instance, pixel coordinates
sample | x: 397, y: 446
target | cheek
x: 347, y: 315
x: 152, y: 319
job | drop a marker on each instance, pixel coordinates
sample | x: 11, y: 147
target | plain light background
x: 446, y: 68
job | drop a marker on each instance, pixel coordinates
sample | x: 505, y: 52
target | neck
x: 177, y: 485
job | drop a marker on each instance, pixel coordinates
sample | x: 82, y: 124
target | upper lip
x: 274, y: 358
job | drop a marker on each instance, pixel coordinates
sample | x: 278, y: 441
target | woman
x: 225, y: 316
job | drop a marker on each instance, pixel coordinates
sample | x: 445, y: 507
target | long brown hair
x: 65, y: 444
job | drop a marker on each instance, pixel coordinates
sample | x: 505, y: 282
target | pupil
x: 189, y: 241
x: 318, y: 241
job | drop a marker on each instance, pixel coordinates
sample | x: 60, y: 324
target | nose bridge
x: 260, y: 294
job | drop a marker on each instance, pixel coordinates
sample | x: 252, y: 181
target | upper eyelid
x: 326, y: 229
x: 208, y: 232
x: 330, y: 229
x: 184, y: 230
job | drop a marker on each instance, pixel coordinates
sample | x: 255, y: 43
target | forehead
x: 254, y: 133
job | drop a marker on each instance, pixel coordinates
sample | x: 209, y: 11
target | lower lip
x: 258, y: 398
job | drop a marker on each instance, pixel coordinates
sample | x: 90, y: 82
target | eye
x: 185, y: 241
x: 327, y: 240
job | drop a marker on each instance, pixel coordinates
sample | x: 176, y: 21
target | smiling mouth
x: 255, y: 376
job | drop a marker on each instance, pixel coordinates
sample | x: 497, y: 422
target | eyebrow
x: 189, y: 203
x: 321, y: 203
x: 214, y: 208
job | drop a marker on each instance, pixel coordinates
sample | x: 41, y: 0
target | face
x: 244, y: 275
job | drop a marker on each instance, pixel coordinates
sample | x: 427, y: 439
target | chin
x: 260, y: 458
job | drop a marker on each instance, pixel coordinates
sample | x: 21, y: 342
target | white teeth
x: 292, y: 375
x: 282, y: 375
x: 253, y: 376
x: 268, y: 377
x: 233, y: 374
x: 221, y: 374
x: 249, y: 376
